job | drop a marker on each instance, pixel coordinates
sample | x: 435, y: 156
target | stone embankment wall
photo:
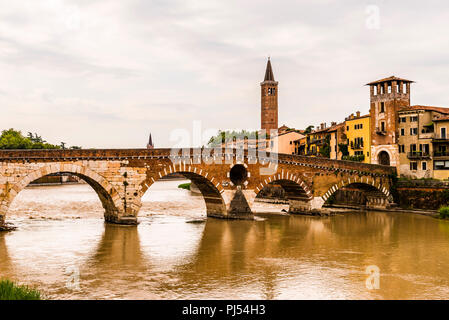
x: 423, y: 194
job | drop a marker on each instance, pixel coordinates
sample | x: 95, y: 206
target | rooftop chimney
x: 358, y: 114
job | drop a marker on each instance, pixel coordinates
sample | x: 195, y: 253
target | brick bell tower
x: 387, y: 96
x: 269, y: 101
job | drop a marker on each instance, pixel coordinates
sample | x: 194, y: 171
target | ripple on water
x: 176, y: 254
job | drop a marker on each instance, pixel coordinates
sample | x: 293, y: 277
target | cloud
x: 105, y: 74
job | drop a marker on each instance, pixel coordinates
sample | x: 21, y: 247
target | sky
x: 104, y: 74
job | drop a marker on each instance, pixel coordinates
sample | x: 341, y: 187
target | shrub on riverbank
x: 11, y: 291
x: 444, y: 212
x: 184, y: 186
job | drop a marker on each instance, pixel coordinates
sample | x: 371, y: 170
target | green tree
x: 308, y: 129
x: 325, y: 150
x: 223, y: 136
x: 13, y: 139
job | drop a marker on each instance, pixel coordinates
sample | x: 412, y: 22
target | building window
x: 382, y: 126
x: 375, y: 90
x: 389, y: 88
x: 361, y: 126
x: 413, y: 118
x: 401, y: 148
x: 382, y: 107
x: 443, y: 133
x: 441, y: 165
x: 347, y: 128
x: 413, y: 131
x: 413, y: 165
x: 402, y: 119
x: 424, y: 165
x: 402, y: 132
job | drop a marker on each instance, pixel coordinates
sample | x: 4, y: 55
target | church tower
x: 269, y: 101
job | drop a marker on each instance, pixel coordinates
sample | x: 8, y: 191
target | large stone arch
x: 108, y: 195
x: 378, y: 194
x: 214, y: 195
x: 286, y: 176
x: 298, y: 192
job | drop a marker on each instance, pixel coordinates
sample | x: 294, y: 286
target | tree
x: 13, y: 139
x: 325, y: 150
x: 227, y: 135
x: 343, y: 147
x: 308, y: 129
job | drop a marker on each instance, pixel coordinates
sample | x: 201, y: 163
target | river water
x: 63, y: 247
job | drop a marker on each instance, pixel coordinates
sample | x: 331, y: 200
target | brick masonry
x: 120, y: 177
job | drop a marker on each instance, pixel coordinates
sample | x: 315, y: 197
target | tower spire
x: 269, y: 72
x: 150, y: 143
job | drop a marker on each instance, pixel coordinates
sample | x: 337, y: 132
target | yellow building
x: 316, y: 140
x: 358, y: 135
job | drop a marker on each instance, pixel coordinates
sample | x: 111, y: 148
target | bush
x: 11, y: 291
x: 444, y: 212
x: 184, y: 186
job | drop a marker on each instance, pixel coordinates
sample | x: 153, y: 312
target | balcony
x: 438, y: 154
x: 380, y: 131
x: 441, y: 137
x: 356, y: 146
x: 418, y: 155
x: 317, y: 141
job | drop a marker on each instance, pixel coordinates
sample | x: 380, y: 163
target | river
x: 64, y: 248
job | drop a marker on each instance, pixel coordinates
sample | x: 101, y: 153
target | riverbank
x: 12, y: 291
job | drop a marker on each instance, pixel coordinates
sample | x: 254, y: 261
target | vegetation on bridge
x: 11, y: 291
x: 13, y: 139
x: 227, y: 135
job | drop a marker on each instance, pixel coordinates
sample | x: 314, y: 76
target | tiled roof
x: 427, y: 108
x: 357, y: 118
x: 336, y: 127
x: 392, y: 78
x: 441, y: 118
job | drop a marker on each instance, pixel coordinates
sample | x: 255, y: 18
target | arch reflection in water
x: 281, y: 257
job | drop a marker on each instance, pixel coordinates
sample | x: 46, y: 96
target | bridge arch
x: 107, y: 194
x: 368, y: 185
x: 209, y: 186
x: 292, y: 183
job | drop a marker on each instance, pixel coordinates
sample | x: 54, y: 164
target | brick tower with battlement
x: 387, y: 96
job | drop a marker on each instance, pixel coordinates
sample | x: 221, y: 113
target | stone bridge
x: 228, y: 179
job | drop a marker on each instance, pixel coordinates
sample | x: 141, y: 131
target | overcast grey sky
x: 106, y: 73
